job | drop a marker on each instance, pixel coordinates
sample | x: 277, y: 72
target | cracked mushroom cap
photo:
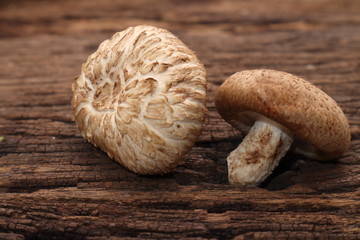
x: 318, y: 125
x: 141, y: 98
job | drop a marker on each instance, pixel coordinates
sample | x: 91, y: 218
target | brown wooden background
x: 54, y: 185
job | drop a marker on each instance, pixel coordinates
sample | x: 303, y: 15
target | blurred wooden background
x: 54, y: 185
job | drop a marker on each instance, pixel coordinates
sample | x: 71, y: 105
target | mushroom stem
x: 258, y: 154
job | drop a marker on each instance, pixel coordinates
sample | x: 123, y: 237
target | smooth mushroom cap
x: 141, y: 98
x: 318, y: 125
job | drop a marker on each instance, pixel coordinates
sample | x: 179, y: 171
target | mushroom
x: 141, y: 98
x: 278, y: 110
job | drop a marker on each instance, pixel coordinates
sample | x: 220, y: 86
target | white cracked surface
x: 141, y: 98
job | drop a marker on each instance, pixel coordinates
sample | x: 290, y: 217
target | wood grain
x: 54, y: 185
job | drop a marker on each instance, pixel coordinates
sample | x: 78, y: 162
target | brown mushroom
x: 276, y: 110
x: 141, y: 98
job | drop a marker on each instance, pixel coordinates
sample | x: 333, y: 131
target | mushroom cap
x: 141, y: 98
x: 317, y: 124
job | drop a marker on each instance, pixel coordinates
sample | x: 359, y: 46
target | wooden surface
x: 54, y: 185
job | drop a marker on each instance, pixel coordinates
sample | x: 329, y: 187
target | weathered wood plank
x: 54, y: 185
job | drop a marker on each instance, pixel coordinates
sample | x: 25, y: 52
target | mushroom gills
x: 258, y: 154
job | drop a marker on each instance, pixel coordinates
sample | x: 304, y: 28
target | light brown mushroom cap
x: 141, y: 98
x: 316, y: 122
